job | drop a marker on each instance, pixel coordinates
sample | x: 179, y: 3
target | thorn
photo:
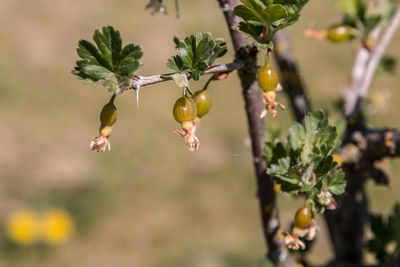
x: 137, y: 97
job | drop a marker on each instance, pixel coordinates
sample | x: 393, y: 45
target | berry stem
x: 209, y: 81
x: 112, y: 99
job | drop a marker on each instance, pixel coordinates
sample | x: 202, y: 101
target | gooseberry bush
x: 324, y: 162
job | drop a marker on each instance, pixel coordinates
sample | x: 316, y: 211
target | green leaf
x: 253, y: 32
x: 108, y: 60
x: 203, y: 51
x: 267, y: 14
x: 88, y: 51
x: 95, y: 72
x: 186, y: 55
x: 109, y: 43
x: 257, y: 7
x: 247, y: 14
x: 127, y: 67
x: 275, y: 13
x: 196, y: 54
x: 303, y: 162
x: 296, y: 136
x: 132, y: 51
x: 351, y: 7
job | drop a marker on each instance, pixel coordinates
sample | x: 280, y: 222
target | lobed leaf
x: 270, y: 15
x: 107, y: 60
x: 304, y: 163
x: 196, y: 53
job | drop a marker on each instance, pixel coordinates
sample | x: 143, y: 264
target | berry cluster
x: 188, y: 111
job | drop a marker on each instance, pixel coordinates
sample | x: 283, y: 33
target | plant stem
x: 251, y: 94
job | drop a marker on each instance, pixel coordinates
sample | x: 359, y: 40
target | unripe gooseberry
x: 339, y: 33
x: 184, y: 109
x: 267, y: 78
x: 108, y: 115
x: 203, y: 102
x: 303, y: 217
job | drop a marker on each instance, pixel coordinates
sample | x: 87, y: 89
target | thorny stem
x: 251, y: 94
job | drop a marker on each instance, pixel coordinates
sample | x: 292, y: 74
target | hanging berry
x: 185, y: 112
x: 203, y: 102
x: 339, y: 33
x: 303, y: 216
x: 267, y: 78
x: 268, y: 81
x: 108, y: 117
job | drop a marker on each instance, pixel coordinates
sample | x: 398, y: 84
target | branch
x: 377, y: 144
x: 364, y: 69
x: 251, y: 94
x: 139, y: 81
x: 290, y: 76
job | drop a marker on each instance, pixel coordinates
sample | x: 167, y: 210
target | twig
x: 376, y: 144
x: 352, y: 105
x: 139, y: 81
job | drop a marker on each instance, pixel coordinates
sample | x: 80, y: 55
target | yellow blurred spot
x: 352, y: 121
x: 280, y: 234
x: 268, y: 208
x: 338, y: 159
x: 57, y: 227
x: 22, y: 227
x: 388, y: 142
x: 277, y: 188
x: 299, y: 265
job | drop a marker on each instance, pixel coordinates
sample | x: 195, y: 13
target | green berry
x: 203, y: 102
x: 108, y: 115
x: 339, y: 33
x: 267, y: 78
x: 185, y: 109
x: 303, y: 217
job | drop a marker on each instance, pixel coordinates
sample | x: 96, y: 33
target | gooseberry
x: 185, y: 109
x: 108, y: 115
x: 339, y: 33
x: 303, y: 217
x: 203, y: 102
x: 267, y: 78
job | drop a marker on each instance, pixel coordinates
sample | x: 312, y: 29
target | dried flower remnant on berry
x: 293, y: 241
x: 108, y: 117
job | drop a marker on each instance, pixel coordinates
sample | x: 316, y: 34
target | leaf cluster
x: 365, y: 15
x: 386, y: 231
x: 196, y: 54
x: 303, y: 164
x: 262, y: 18
x: 107, y: 64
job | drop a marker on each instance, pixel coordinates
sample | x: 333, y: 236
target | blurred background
x: 149, y: 202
